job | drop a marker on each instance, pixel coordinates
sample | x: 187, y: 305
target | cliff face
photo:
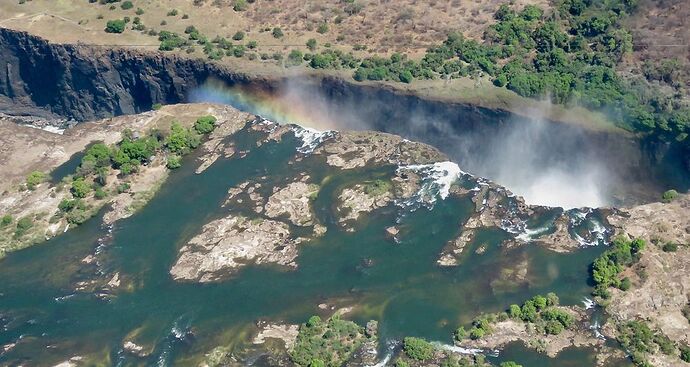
x: 87, y: 83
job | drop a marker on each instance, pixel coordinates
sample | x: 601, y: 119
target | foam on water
x: 311, y: 138
x: 437, y: 179
x: 48, y: 128
x: 529, y: 234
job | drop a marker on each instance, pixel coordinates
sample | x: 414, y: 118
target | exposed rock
x: 132, y: 348
x: 354, y: 149
x: 360, y: 199
x: 286, y: 333
x: 293, y: 201
x: 454, y: 248
x: 227, y: 244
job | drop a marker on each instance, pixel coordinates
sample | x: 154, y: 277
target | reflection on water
x: 402, y: 287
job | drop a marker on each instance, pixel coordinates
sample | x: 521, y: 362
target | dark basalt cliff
x: 83, y: 83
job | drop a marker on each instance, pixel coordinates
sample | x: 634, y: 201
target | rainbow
x: 287, y: 106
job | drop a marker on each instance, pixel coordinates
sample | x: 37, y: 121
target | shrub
x: 181, y: 140
x: 115, y: 26
x: 685, y: 353
x: 295, y: 57
x: 311, y: 44
x: 323, y: 28
x: 174, y: 161
x: 514, y: 312
x: 460, y: 333
x: 669, y: 196
x: 205, y: 124
x: 80, y: 189
x: 238, y: 36
x: 625, y: 284
x: 139, y: 11
x: 239, y: 5
x: 172, y: 13
x: 5, y: 220
x: 100, y: 193
x: 252, y: 45
x: 277, y: 32
x: 553, y: 327
x: 23, y: 225
x: 477, y: 333
x: 126, y: 5
x: 670, y: 247
x: 156, y: 106
x: 417, y: 348
x: 34, y: 179
x: 510, y: 364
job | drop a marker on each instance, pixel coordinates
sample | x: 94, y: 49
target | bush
x: 514, y: 312
x: 477, y: 333
x: 174, y: 161
x: 460, y: 333
x: 115, y: 26
x: 172, y: 13
x: 205, y: 124
x: 277, y: 32
x: 34, y: 179
x: 5, y: 220
x: 311, y: 44
x: 685, y: 353
x: 139, y: 11
x: 80, y: 189
x: 670, y: 247
x: 323, y: 28
x: 238, y: 36
x: 625, y: 284
x: 126, y: 5
x: 239, y: 5
x: 181, y: 140
x: 669, y: 196
x: 23, y: 225
x: 418, y: 349
x: 156, y: 106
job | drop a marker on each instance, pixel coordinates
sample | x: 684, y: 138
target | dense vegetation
x: 127, y: 157
x: 328, y: 343
x: 607, y: 268
x: 640, y: 340
x: 541, y: 311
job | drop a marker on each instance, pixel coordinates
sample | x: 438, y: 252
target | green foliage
x: 239, y: 5
x: 174, y: 161
x: 277, y: 32
x: 607, y: 267
x: 640, y: 340
x: 514, y: 312
x: 377, y: 187
x: 328, y: 343
x: 460, y: 333
x: 510, y: 364
x: 669, y: 247
x: 126, y: 5
x: 115, y: 26
x: 35, y: 178
x: 311, y: 44
x: 418, y: 349
x: 80, y: 189
x: 685, y: 353
x: 669, y: 196
x: 156, y: 106
x: 238, y: 36
x: 23, y: 225
x: 181, y: 140
x: 5, y: 220
x: 205, y: 124
x: 323, y: 28
x: 170, y: 41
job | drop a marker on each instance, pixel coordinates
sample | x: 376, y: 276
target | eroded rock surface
x: 227, y: 244
x: 293, y: 201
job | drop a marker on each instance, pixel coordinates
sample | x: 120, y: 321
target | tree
x: 174, y: 162
x: 115, y: 26
x: 514, y: 312
x: 80, y: 189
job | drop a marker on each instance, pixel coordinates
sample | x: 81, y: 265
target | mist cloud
x: 545, y: 162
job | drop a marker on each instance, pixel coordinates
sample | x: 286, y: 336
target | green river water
x: 398, y: 284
